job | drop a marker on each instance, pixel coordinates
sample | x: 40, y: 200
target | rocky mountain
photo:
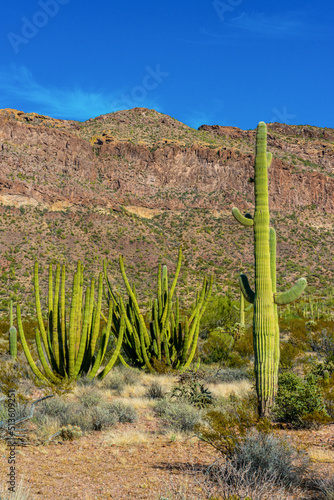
x: 141, y: 183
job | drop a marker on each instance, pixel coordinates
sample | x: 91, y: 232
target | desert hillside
x: 141, y: 183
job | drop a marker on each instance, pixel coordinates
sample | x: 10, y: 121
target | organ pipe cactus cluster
x: 265, y: 297
x: 166, y: 339
x: 12, y: 333
x: 75, y: 346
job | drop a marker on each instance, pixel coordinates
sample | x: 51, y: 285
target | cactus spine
x: 67, y: 348
x: 12, y: 333
x: 265, y: 298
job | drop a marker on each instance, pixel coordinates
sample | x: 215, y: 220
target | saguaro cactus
x: 12, y: 334
x: 265, y: 297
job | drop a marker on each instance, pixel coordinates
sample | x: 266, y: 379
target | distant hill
x: 141, y: 183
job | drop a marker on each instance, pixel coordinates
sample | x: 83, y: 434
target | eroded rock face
x: 58, y: 163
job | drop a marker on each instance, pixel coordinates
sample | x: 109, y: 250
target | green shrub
x: 131, y: 376
x: 225, y: 375
x: 288, y: 355
x: 244, y: 343
x: 323, y: 340
x: 119, y: 377
x: 299, y: 332
x: 220, y: 348
x: 115, y: 381
x: 54, y: 407
x: 299, y: 402
x: 86, y: 416
x: 219, y: 313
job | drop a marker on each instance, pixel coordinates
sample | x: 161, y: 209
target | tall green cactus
x: 67, y: 347
x: 265, y: 297
x: 12, y: 333
x: 165, y: 339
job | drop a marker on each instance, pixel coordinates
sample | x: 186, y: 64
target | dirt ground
x: 91, y: 468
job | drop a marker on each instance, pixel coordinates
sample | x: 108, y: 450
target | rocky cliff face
x: 62, y: 163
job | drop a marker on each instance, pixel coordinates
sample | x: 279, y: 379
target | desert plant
x: 180, y: 416
x: 299, y: 401
x: 225, y: 375
x: 103, y: 416
x: 190, y: 389
x: 90, y: 397
x: 220, y: 347
x: 242, y: 309
x: 167, y: 341
x: 70, y: 433
x: 266, y: 453
x: 225, y: 427
x: 154, y: 391
x: 125, y: 413
x: 12, y: 334
x: 88, y: 417
x: 265, y: 297
x: 70, y: 346
x: 288, y: 355
x: 219, y: 313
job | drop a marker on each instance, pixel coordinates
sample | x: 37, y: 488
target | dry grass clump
x: 121, y: 437
x: 321, y: 455
x: 224, y: 390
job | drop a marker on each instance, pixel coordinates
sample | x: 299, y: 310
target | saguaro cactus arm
x: 290, y: 295
x: 245, y: 220
x: 246, y: 289
x: 269, y: 159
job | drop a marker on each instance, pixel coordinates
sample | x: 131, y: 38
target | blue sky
x: 229, y: 62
